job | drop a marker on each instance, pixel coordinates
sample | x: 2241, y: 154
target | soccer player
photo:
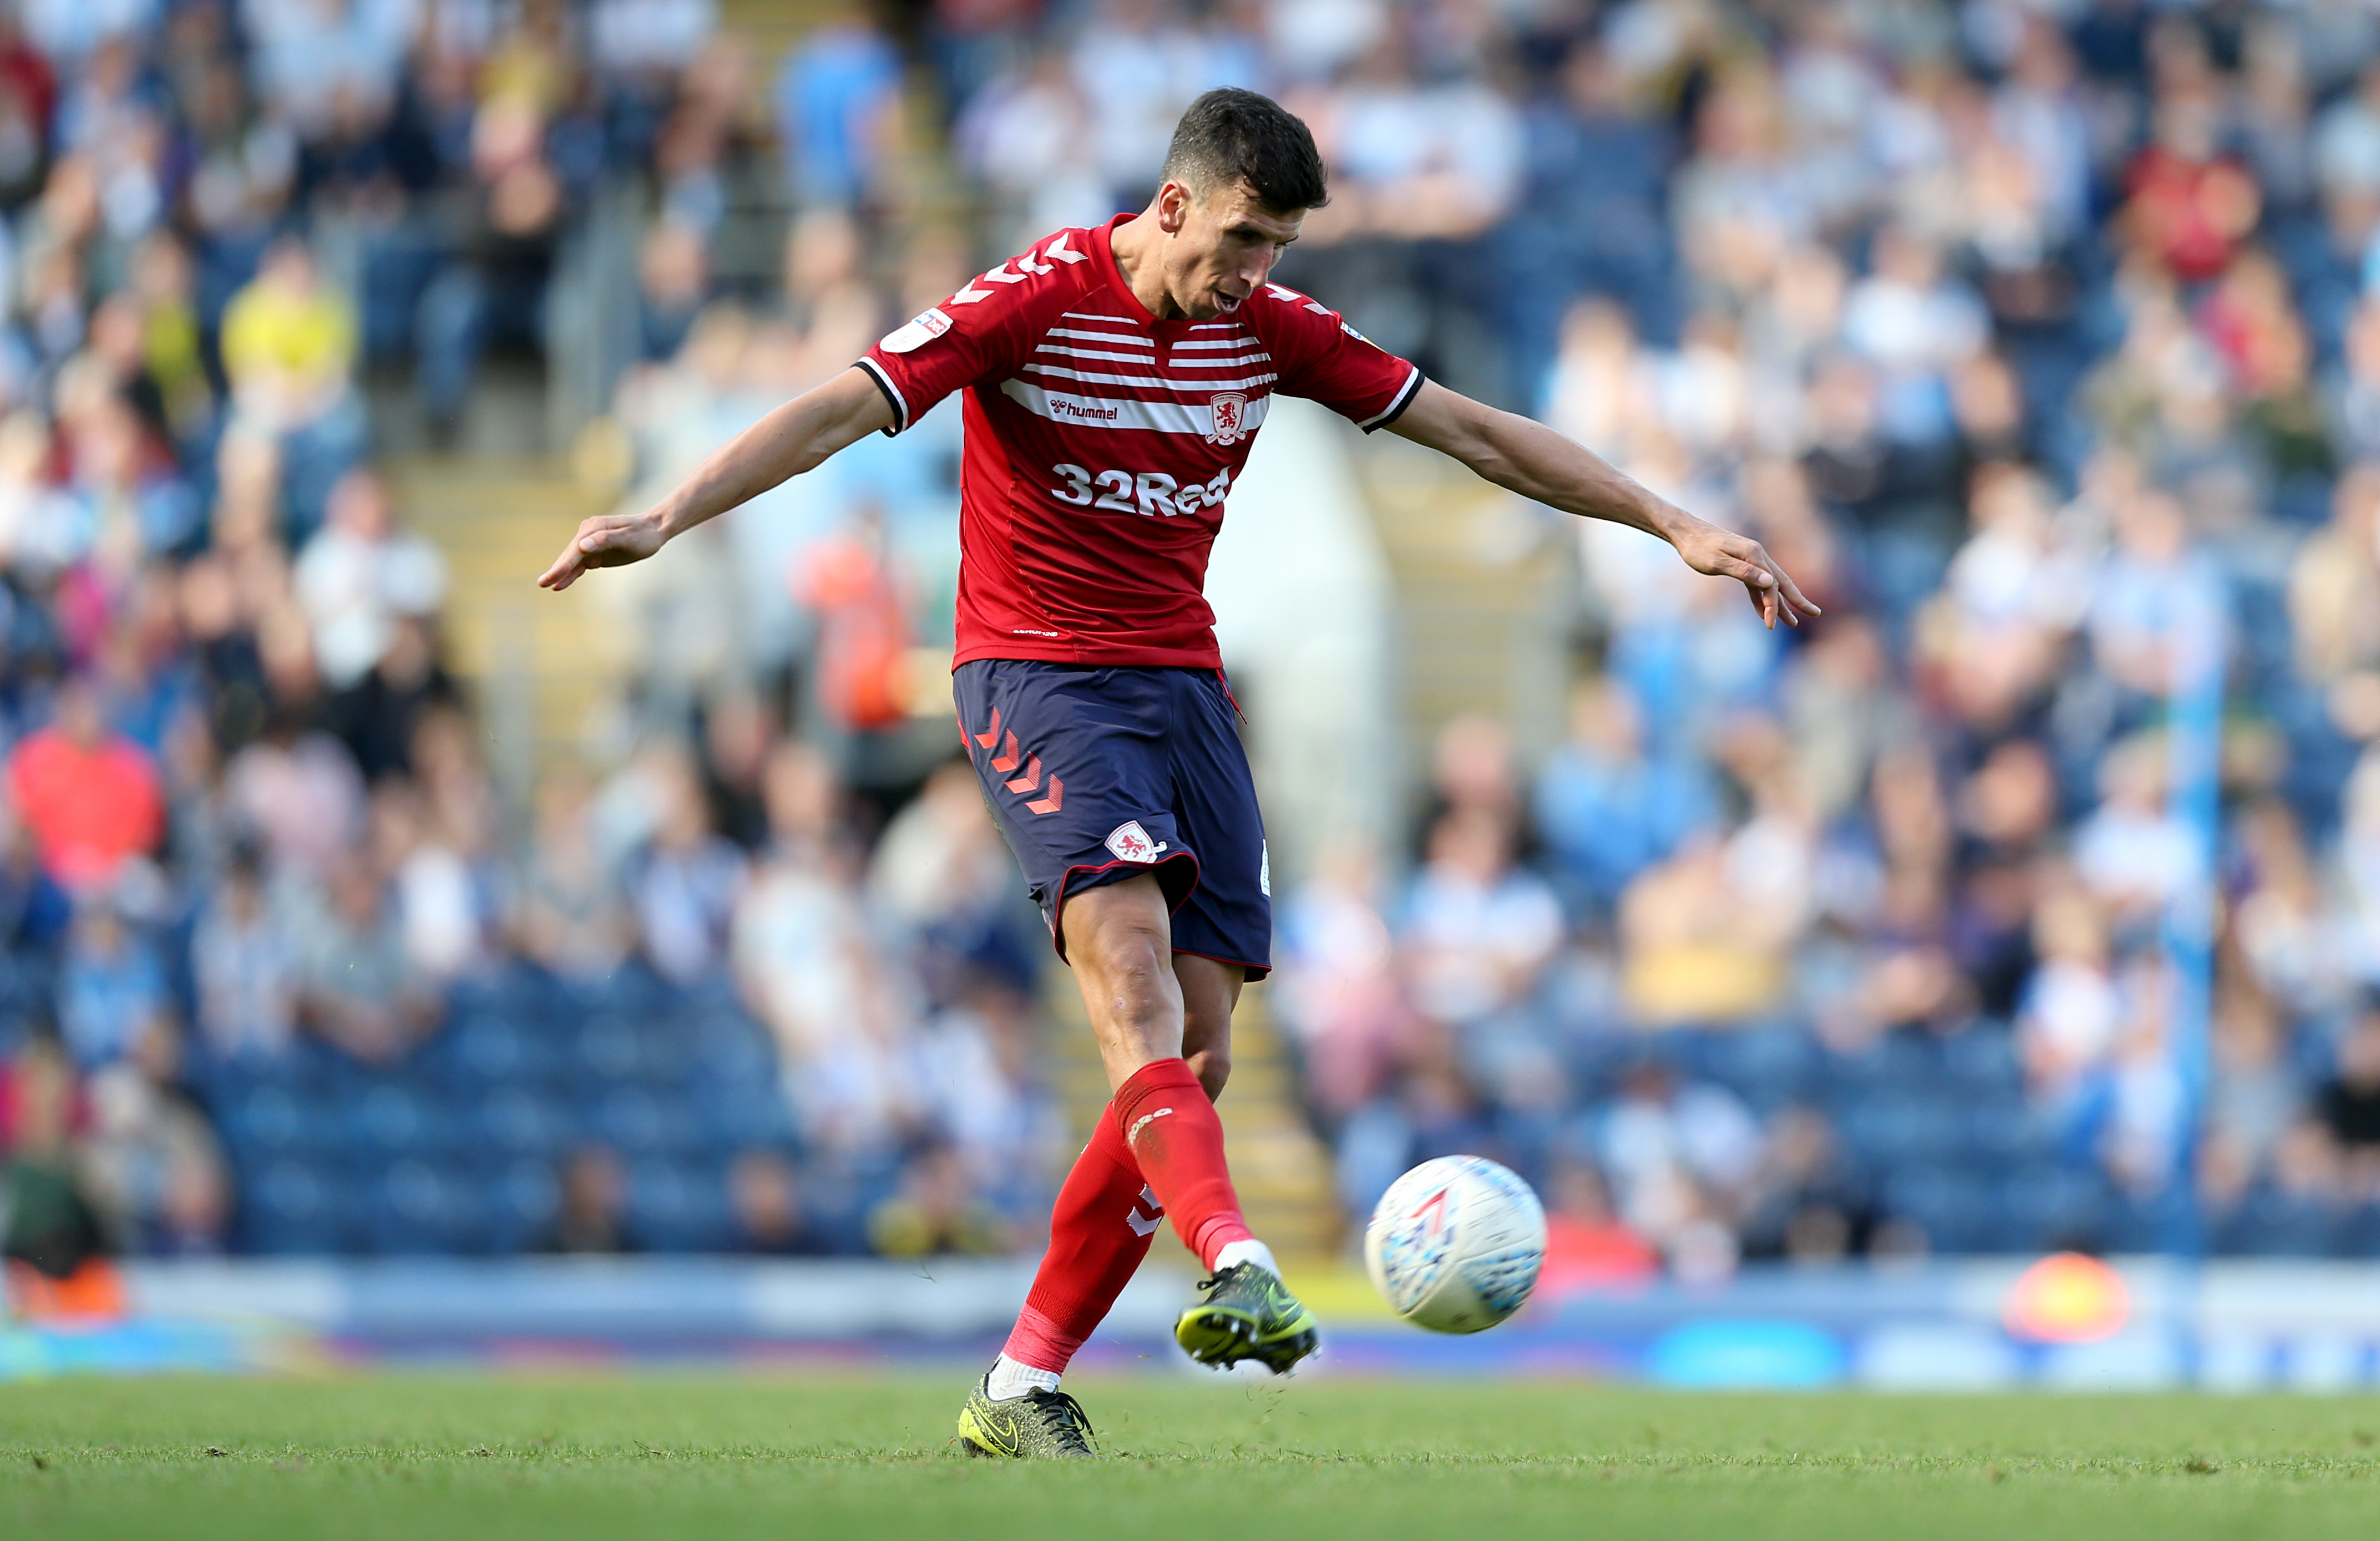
x: 1114, y: 378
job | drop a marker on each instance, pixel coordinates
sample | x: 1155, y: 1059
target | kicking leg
x: 1118, y: 938
x: 1105, y: 1219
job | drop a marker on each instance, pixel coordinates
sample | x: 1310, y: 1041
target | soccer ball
x: 1455, y: 1244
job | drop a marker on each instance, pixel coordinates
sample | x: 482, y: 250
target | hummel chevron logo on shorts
x: 1007, y: 760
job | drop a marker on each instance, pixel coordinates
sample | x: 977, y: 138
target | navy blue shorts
x: 1099, y: 774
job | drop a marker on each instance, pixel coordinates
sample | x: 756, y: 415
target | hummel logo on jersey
x: 1131, y: 843
x: 1230, y: 409
x: 918, y: 333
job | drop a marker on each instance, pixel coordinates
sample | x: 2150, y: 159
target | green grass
x: 801, y: 1457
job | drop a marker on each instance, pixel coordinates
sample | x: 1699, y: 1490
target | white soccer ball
x: 1455, y: 1244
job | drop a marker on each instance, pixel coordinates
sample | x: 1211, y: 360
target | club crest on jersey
x: 918, y: 332
x: 1131, y: 843
x: 1230, y: 409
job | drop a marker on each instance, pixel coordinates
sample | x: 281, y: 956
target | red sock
x: 1099, y: 1233
x: 1173, y: 1135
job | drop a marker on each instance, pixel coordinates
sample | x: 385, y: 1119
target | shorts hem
x: 1254, y: 971
x: 1066, y: 881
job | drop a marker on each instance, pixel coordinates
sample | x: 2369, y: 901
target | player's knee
x: 1213, y: 1067
x: 1126, y: 954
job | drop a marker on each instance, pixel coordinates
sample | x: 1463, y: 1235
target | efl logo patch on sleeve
x: 917, y: 334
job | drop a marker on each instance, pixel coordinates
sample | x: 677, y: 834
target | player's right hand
x: 605, y: 540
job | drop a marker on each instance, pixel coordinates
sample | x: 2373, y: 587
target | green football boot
x: 1038, y: 1425
x: 1248, y: 1314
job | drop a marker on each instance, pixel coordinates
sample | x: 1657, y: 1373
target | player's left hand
x: 1722, y: 553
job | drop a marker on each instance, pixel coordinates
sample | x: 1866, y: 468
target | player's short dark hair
x: 1231, y: 136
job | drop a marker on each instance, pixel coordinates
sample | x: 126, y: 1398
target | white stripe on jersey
x: 1063, y: 351
x: 1148, y: 383
x: 1218, y: 342
x: 1160, y: 417
x: 1106, y: 337
x: 1258, y: 356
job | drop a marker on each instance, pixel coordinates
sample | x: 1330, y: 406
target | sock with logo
x: 1099, y: 1232
x: 1172, y: 1134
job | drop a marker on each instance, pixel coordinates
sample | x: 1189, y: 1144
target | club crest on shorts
x: 917, y: 334
x: 1131, y: 843
x: 1229, y: 410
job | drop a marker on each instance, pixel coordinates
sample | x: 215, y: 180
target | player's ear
x: 1173, y: 203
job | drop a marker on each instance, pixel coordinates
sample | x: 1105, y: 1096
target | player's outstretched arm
x: 795, y: 437
x: 1537, y: 463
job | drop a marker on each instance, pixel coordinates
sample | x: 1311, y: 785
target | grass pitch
x: 724, y: 1456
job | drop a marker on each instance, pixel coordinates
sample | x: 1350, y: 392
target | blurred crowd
x: 2039, y: 340
x: 279, y: 970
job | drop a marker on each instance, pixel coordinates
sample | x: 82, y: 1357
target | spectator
x: 89, y: 796
x: 1587, y: 1248
x: 245, y: 967
x: 111, y: 987
x: 569, y: 912
x: 359, y: 987
x: 838, y: 104
x: 937, y: 1213
x: 1608, y: 811
x: 48, y: 1222
x: 764, y: 1193
x: 2351, y: 1101
x: 360, y: 580
x: 684, y: 882
x: 289, y: 350
x: 156, y: 1170
x: 591, y: 1219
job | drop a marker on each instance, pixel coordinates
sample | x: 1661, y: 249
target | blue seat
x: 521, y: 1198
x: 607, y: 1048
x: 634, y: 1121
x: 1982, y: 1060
x: 270, y: 1121
x: 1953, y: 1209
x: 678, y: 1206
x: 522, y: 1120
x: 295, y: 1208
x: 753, y: 1113
x: 497, y: 1047
x: 417, y: 1208
x: 2004, y: 1132
x: 408, y: 1118
x: 1886, y: 1130
x: 2044, y: 1208
x: 1767, y: 1066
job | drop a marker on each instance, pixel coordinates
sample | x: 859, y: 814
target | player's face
x: 1225, y: 249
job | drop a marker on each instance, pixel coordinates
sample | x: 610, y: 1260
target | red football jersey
x: 1102, y: 443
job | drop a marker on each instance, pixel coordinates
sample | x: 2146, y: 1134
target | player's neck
x: 1136, y: 244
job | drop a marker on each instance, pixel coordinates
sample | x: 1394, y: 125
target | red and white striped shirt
x: 1101, y: 443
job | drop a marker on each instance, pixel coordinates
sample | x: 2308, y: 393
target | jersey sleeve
x: 1320, y: 357
x: 982, y: 332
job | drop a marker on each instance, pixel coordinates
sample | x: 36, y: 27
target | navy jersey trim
x: 1396, y: 408
x: 892, y: 395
